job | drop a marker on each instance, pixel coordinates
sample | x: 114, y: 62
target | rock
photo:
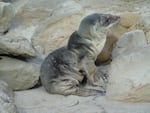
x: 7, y: 14
x: 34, y: 15
x: 16, y: 46
x: 148, y: 37
x: 18, y: 74
x: 42, y: 102
x: 127, y: 22
x: 46, y: 103
x: 15, y: 39
x: 128, y: 19
x: 144, y: 24
x: 6, y: 99
x: 65, y: 9
x: 27, y: 20
x: 129, y: 78
x: 128, y: 41
x: 55, y: 33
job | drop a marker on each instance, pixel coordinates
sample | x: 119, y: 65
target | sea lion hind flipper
x: 81, y: 91
x: 70, y: 87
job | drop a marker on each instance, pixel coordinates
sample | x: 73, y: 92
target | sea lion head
x: 94, y: 23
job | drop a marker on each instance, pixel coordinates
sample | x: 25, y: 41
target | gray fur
x: 68, y: 69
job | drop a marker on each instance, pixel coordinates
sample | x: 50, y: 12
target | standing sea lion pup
x: 68, y: 69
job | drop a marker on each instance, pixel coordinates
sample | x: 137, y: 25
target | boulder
x: 27, y: 19
x: 55, y: 35
x: 128, y: 41
x: 144, y: 24
x: 56, y: 30
x: 7, y: 13
x: 6, y: 99
x: 36, y: 14
x: 19, y: 75
x: 34, y: 19
x: 129, y: 78
x: 16, y: 46
x: 128, y: 19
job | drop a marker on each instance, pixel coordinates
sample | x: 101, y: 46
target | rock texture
x: 43, y: 102
x: 56, y: 30
x: 6, y: 99
x: 6, y: 15
x: 144, y: 24
x: 128, y: 19
x: 129, y: 78
x: 18, y: 74
x: 16, y: 46
x: 128, y: 41
x: 127, y: 22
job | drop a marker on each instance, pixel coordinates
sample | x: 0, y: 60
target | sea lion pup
x: 66, y: 70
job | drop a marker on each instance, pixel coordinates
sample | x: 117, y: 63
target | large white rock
x: 129, y: 78
x: 18, y: 74
x: 128, y: 41
x: 17, y: 46
x: 6, y: 99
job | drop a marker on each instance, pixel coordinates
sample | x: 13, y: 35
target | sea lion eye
x: 107, y: 21
x: 64, y: 66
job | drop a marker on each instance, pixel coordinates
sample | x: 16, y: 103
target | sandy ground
x: 39, y: 101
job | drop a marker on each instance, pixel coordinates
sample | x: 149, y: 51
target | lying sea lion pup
x: 68, y: 69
